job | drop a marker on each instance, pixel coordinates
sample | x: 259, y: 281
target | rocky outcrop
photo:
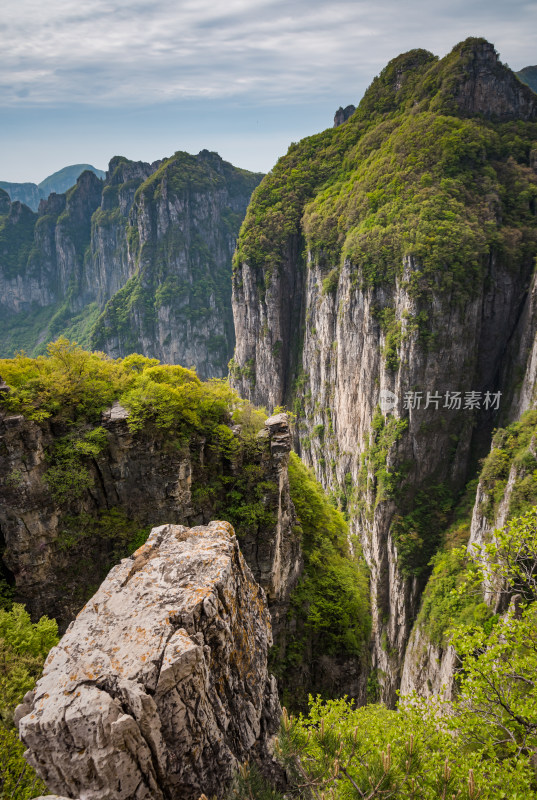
x: 428, y: 669
x: 137, y: 478
x: 139, y: 263
x: 160, y: 687
x: 343, y: 114
x: 489, y: 88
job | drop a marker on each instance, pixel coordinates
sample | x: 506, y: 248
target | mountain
x: 529, y: 76
x: 139, y: 262
x: 62, y: 180
x: 384, y: 266
x: 30, y: 193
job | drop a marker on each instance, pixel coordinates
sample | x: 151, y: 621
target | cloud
x: 269, y: 51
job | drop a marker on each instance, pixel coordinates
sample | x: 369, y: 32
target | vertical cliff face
x: 399, y: 276
x: 77, y: 496
x: 176, y: 305
x: 140, y: 262
x: 136, y: 478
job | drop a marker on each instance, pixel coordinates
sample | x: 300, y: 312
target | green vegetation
x: 480, y: 745
x: 331, y: 602
x: 231, y: 479
x: 16, y: 239
x: 23, y: 649
x: 418, y: 533
x: 409, y: 176
x: 371, y: 752
x: 375, y: 475
x: 513, y: 448
x: 444, y: 607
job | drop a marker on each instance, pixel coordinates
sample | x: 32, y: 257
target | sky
x: 82, y: 82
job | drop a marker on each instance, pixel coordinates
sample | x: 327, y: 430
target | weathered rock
x: 428, y: 669
x: 343, y: 114
x: 310, y: 335
x: 147, y: 478
x: 51, y: 797
x: 160, y: 687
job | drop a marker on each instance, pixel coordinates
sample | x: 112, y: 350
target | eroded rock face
x: 160, y: 687
x: 149, y: 479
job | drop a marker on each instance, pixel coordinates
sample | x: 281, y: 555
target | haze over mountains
x: 32, y: 193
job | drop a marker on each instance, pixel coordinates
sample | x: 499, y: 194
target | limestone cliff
x: 365, y: 270
x: 136, y: 478
x: 161, y: 681
x: 153, y: 241
x: 65, y: 519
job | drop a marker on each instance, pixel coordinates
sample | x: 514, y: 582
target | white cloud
x: 123, y: 51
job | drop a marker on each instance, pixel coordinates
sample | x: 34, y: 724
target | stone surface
x: 343, y: 114
x: 428, y: 669
x: 160, y: 687
x: 149, y: 479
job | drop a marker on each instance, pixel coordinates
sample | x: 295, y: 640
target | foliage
x: 497, y: 706
x: 23, y: 649
x: 408, y: 176
x: 332, y: 595
x: 418, y: 533
x: 508, y: 563
x: 18, y: 781
x: 375, y: 472
x: 512, y: 448
x: 444, y: 607
x: 371, y: 752
x: 67, y: 477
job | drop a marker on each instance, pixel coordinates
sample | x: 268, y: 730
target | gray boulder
x: 159, y: 688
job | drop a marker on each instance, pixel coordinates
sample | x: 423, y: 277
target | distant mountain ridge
x: 139, y: 262
x: 529, y: 76
x: 32, y: 193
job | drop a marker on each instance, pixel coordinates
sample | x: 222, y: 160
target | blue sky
x: 81, y: 82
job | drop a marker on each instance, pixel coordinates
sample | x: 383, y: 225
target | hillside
x: 140, y: 262
x: 529, y: 76
x: 393, y: 254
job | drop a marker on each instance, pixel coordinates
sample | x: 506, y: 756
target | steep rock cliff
x: 162, y: 680
x: 380, y: 257
x: 77, y: 496
x: 155, y: 241
x: 137, y: 477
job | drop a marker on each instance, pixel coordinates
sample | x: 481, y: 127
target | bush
x: 23, y: 649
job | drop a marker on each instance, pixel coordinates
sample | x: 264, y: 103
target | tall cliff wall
x: 394, y: 254
x: 137, y: 263
x: 76, y: 497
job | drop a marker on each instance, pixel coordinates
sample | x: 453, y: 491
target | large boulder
x: 159, y: 688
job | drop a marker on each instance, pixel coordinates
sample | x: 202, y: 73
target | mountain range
x: 31, y: 194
